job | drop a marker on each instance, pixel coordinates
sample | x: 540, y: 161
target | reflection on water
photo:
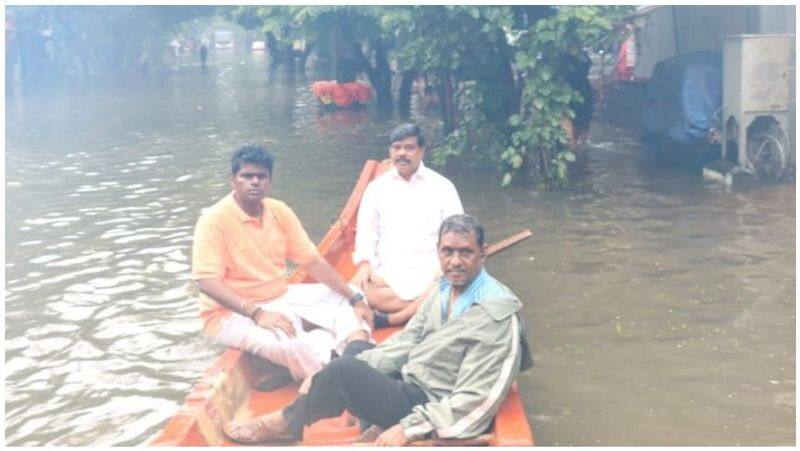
x: 661, y: 310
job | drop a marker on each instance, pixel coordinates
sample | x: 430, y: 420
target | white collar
x: 422, y: 172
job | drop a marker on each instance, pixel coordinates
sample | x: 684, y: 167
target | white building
x: 665, y: 31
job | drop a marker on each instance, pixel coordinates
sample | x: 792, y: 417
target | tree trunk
x: 289, y: 62
x: 345, y: 60
x: 404, y: 98
x: 384, y: 87
x: 273, y: 48
x: 380, y: 77
x: 334, y: 50
x: 279, y: 52
x: 446, y: 95
x: 544, y: 163
x: 513, y: 93
x: 302, y: 59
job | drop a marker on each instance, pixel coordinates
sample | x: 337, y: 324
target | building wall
x: 705, y: 27
x: 777, y: 19
x: 654, y: 40
x: 702, y: 28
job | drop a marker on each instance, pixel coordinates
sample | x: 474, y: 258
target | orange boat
x: 226, y: 390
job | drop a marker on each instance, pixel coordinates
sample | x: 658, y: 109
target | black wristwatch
x: 358, y: 297
x: 256, y: 312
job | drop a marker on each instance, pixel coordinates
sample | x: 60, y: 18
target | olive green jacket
x: 465, y: 366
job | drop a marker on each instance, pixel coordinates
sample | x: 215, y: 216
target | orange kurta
x: 247, y: 254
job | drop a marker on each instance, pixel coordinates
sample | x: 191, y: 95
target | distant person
x: 175, y: 46
x: 626, y: 56
x: 445, y: 374
x: 576, y: 65
x: 239, y: 255
x: 399, y: 216
x: 203, y: 54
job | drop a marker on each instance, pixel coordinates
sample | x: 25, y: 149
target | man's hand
x: 394, y: 436
x: 364, y: 311
x: 275, y: 321
x: 361, y: 277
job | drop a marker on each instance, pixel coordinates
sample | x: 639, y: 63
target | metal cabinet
x: 757, y: 102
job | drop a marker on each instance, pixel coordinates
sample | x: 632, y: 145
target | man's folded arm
x: 486, y: 373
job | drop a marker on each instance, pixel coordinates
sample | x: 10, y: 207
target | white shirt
x: 398, y: 226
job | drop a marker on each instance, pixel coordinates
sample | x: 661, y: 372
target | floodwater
x: 661, y: 310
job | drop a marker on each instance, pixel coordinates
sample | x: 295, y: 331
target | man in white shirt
x: 397, y: 229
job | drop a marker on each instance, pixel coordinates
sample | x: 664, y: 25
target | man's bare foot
x: 269, y: 427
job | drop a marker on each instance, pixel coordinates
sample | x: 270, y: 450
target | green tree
x: 499, y: 71
x: 278, y: 25
x: 462, y: 48
x: 546, y: 95
x: 346, y: 39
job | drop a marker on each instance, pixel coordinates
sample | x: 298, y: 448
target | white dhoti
x: 408, y: 280
x: 307, y: 352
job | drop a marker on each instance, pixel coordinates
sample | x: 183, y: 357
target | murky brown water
x: 661, y: 310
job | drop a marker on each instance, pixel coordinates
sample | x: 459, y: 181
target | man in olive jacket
x: 444, y: 375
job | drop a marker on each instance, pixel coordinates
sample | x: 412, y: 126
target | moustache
x: 402, y: 160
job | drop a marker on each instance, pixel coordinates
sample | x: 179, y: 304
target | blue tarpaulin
x: 684, y: 96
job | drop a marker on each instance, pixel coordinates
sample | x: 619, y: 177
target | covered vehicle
x: 683, y: 101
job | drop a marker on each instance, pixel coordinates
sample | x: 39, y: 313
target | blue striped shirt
x: 483, y: 286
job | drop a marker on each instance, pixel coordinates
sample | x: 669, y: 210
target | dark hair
x: 252, y: 154
x: 462, y: 224
x: 403, y: 131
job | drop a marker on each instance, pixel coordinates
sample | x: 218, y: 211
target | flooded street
x: 661, y: 310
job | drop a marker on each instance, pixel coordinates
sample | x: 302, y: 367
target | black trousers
x: 349, y: 383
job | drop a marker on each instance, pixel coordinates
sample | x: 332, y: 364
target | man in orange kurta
x: 239, y: 255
